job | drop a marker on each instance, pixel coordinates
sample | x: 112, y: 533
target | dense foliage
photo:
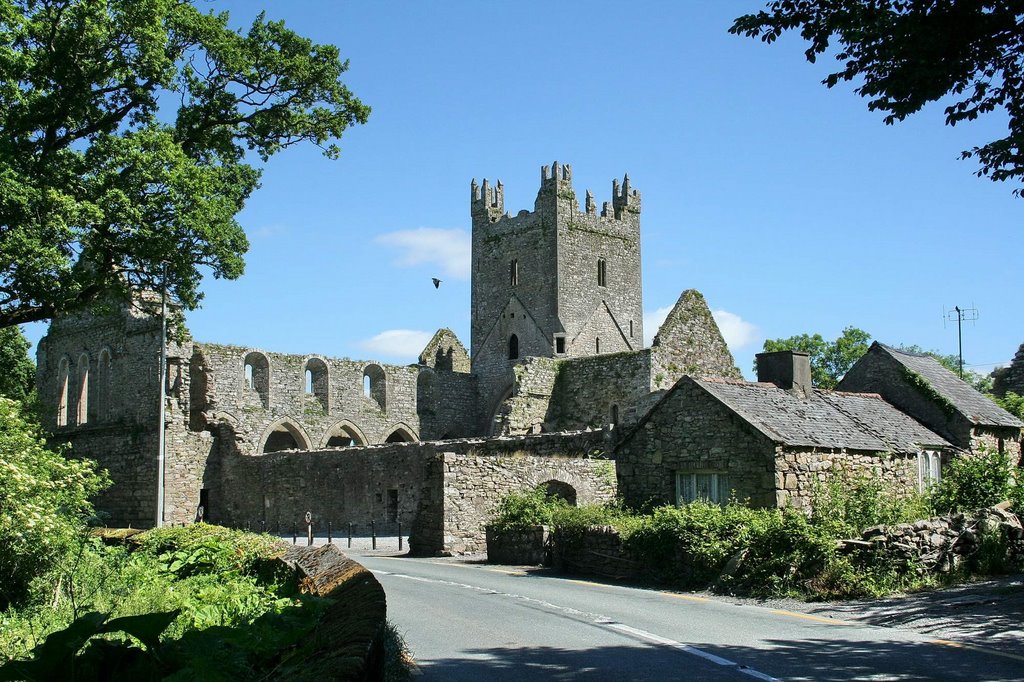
x: 204, y: 602
x: 978, y: 480
x: 774, y: 552
x: 44, y: 503
x: 907, y: 53
x: 130, y: 130
x: 17, y: 371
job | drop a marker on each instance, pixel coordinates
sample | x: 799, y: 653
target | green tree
x: 17, y: 371
x: 830, y: 360
x: 907, y: 53
x: 44, y: 500
x: 130, y: 134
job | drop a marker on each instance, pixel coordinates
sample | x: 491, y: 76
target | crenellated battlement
x: 556, y: 195
x: 624, y: 199
x: 486, y: 203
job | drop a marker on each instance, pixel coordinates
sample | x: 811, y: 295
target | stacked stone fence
x: 944, y: 543
x: 529, y: 546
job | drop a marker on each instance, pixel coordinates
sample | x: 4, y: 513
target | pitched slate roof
x: 828, y: 419
x: 970, y: 403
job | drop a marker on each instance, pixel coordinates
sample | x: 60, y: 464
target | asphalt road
x: 478, y: 622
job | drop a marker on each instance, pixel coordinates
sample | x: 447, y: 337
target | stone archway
x: 284, y: 434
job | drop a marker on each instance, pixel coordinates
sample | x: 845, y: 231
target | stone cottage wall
x: 691, y: 431
x: 799, y: 472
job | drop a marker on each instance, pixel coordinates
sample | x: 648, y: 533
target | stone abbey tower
x: 562, y: 281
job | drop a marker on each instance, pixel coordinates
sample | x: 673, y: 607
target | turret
x: 625, y: 201
x: 487, y: 204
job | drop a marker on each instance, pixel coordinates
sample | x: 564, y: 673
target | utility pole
x: 959, y: 315
x: 160, y: 462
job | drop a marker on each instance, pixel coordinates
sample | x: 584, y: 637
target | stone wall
x: 1005, y: 440
x: 940, y: 544
x: 518, y: 546
x: 597, y: 552
x: 442, y: 492
x: 598, y: 391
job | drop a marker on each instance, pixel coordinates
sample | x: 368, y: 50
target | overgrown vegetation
x: 776, y: 552
x: 44, y: 499
x: 182, y: 593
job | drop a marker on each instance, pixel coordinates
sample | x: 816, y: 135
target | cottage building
x: 919, y: 385
x: 770, y: 442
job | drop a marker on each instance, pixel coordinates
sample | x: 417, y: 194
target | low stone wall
x: 518, y: 546
x: 941, y: 544
x: 597, y: 552
x: 347, y: 642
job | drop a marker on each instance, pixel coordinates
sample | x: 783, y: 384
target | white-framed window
x: 929, y: 469
x: 711, y: 486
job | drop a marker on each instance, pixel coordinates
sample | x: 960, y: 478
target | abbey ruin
x: 556, y: 389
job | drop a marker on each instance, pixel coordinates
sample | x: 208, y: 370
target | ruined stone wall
x: 442, y: 492
x: 477, y: 479
x: 342, y: 404
x: 690, y: 343
x: 598, y: 391
x: 121, y: 404
x: 691, y: 431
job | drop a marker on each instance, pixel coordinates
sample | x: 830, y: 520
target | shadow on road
x: 811, y: 659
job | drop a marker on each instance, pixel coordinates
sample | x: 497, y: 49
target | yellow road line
x: 979, y: 649
x: 811, y: 616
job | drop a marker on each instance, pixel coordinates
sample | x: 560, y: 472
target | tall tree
x: 830, y: 360
x: 17, y: 371
x: 131, y: 130
x: 906, y: 53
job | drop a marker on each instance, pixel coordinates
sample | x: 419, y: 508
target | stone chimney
x: 787, y: 369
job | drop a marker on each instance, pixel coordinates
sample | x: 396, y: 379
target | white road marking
x: 598, y: 619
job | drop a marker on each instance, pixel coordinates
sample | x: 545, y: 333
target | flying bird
x: 436, y: 281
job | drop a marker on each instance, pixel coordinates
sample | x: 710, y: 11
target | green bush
x: 847, y: 503
x: 973, y: 481
x: 524, y: 509
x: 44, y: 499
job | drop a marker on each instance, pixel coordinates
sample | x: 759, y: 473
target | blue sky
x: 788, y: 205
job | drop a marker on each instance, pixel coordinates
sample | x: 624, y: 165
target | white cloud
x: 269, y: 230
x: 450, y: 250
x: 736, y: 331
x: 652, y: 323
x: 405, y: 344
